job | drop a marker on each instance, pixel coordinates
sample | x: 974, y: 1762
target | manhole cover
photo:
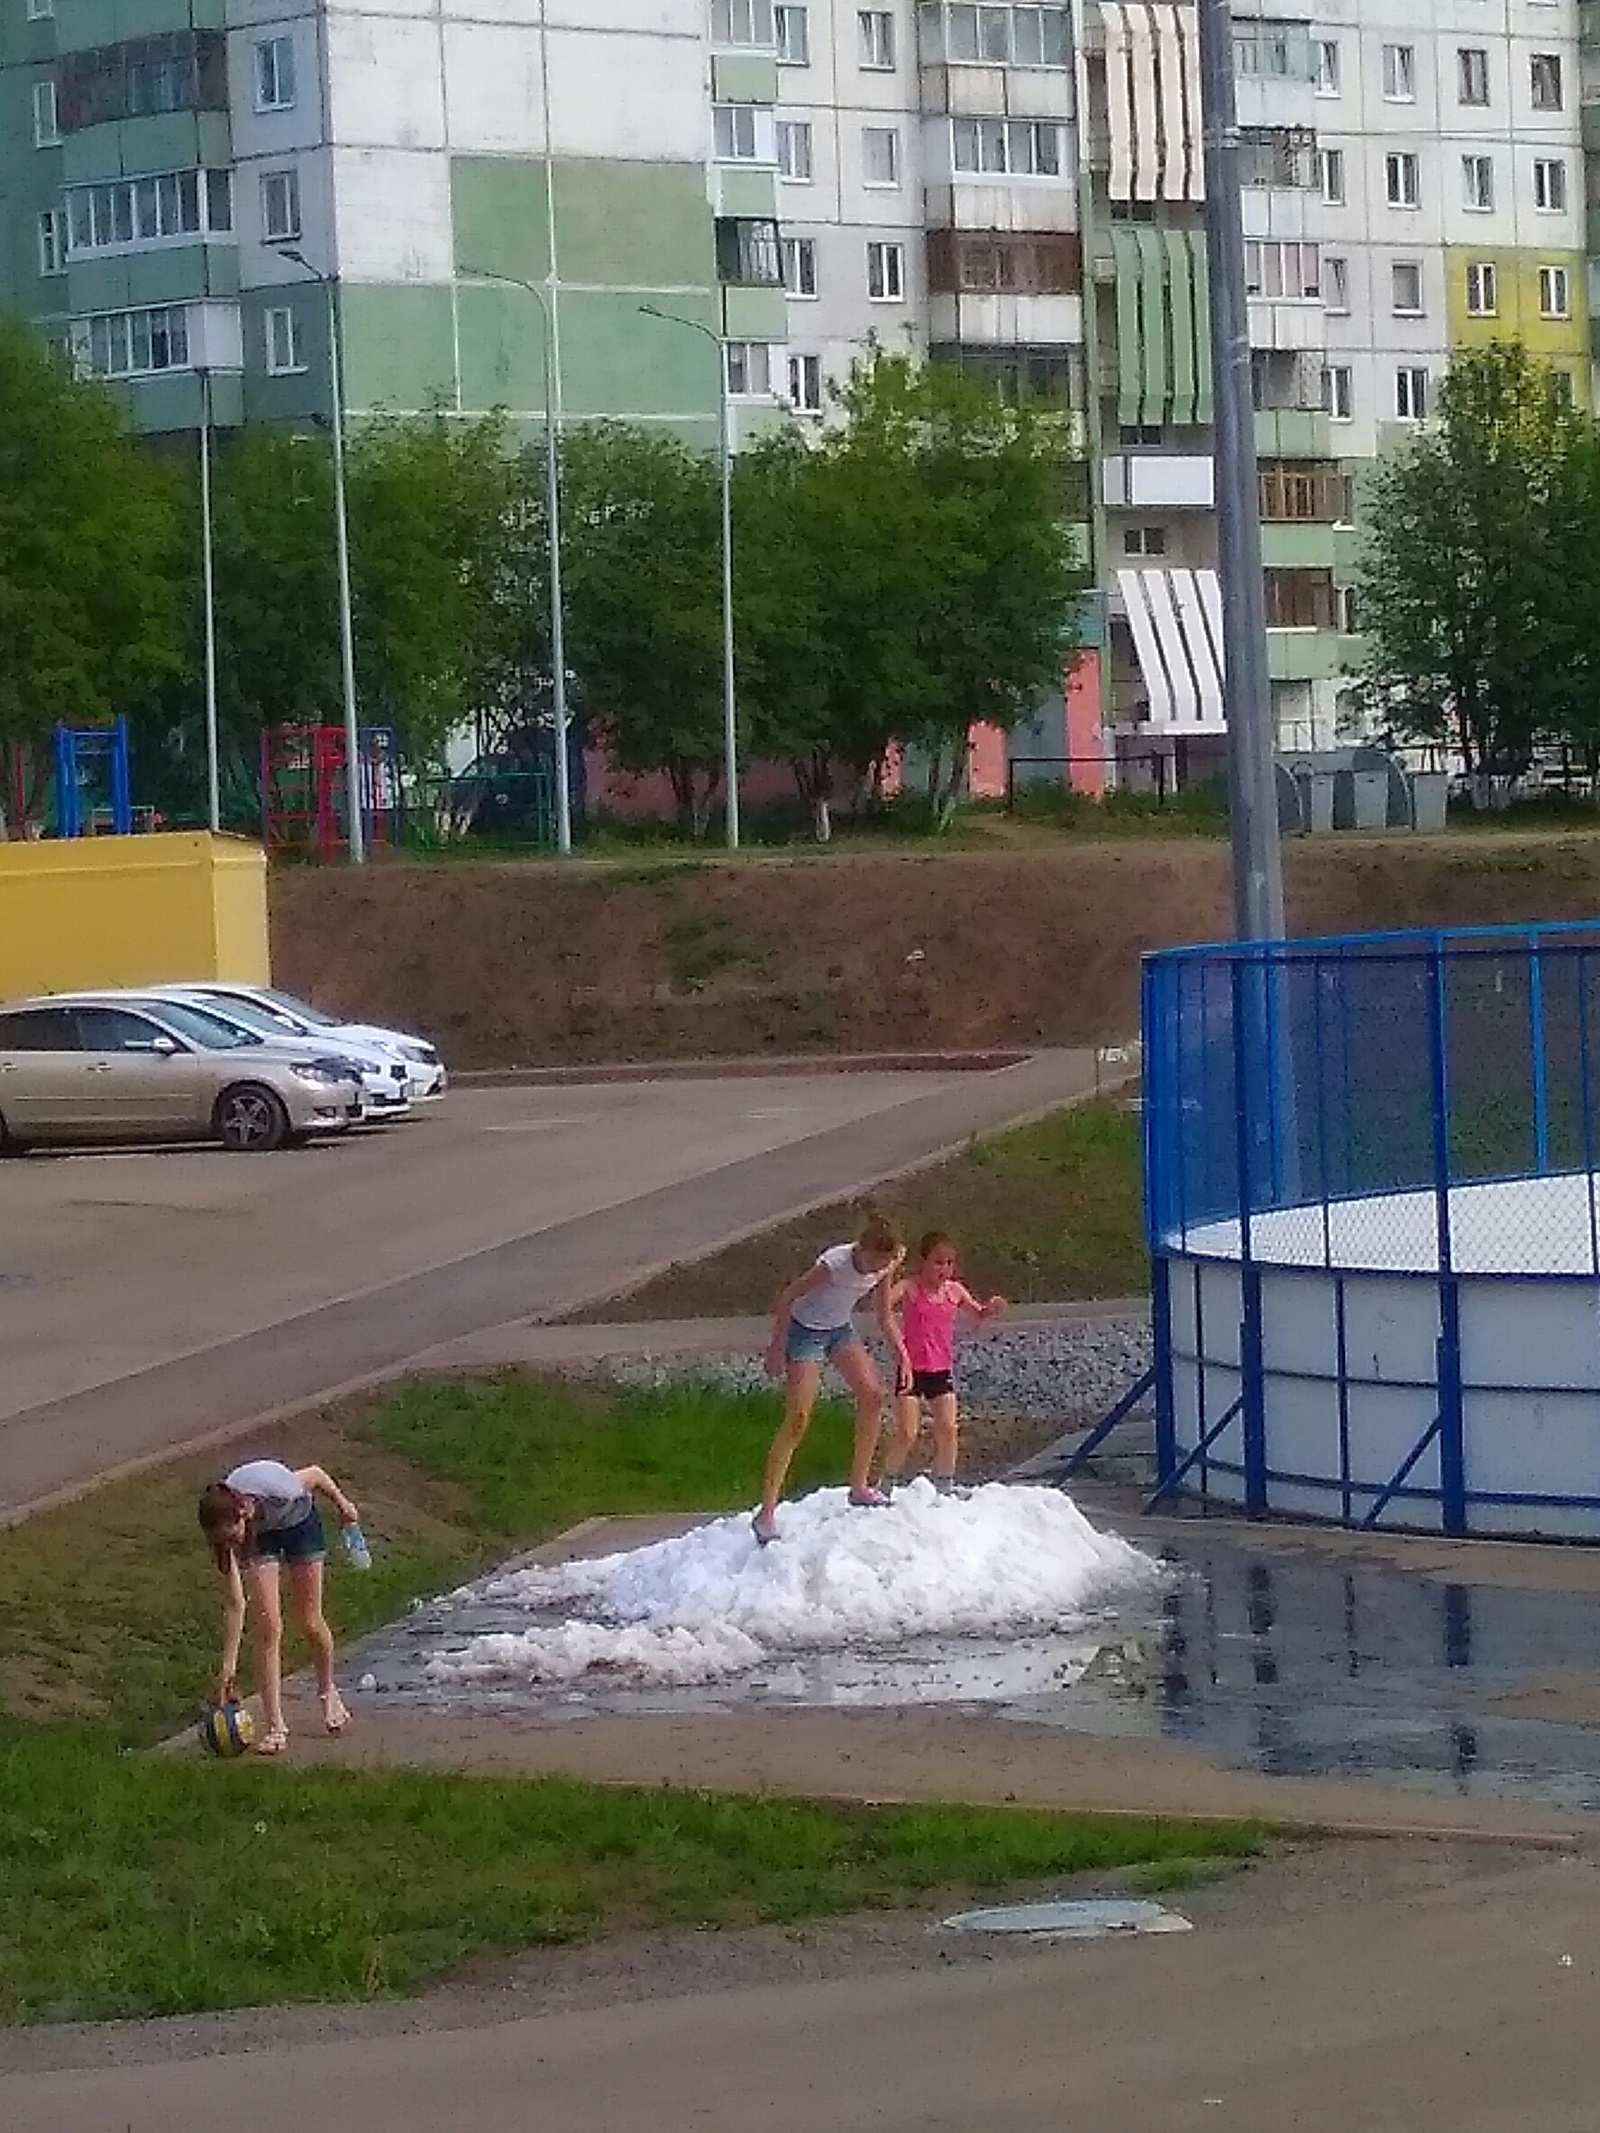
x: 1085, y: 1920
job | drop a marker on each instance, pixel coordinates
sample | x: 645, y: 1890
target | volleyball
x: 227, y: 1729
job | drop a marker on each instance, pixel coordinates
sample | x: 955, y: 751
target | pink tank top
x: 928, y: 1320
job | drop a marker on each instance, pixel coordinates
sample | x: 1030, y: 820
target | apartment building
x: 193, y: 191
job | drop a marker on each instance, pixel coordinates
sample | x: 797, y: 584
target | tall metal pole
x: 353, y: 778
x: 730, y: 707
x: 1253, y: 804
x: 208, y: 579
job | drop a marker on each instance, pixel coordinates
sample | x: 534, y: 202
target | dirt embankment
x: 530, y: 964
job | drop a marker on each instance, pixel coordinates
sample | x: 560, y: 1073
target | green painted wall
x: 1297, y: 546
x: 744, y: 78
x: 1304, y: 655
x: 615, y: 361
x: 399, y: 346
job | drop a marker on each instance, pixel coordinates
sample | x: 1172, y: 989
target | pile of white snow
x: 1003, y: 1562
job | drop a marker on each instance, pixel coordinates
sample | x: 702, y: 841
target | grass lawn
x: 1042, y: 1213
x: 139, y: 1885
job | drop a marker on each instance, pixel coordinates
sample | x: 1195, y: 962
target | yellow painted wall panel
x: 131, y: 911
x: 1517, y: 316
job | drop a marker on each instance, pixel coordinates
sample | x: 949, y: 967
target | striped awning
x: 1153, y: 100
x: 1176, y: 619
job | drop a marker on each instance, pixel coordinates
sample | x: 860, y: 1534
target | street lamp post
x: 354, y: 780
x: 730, y: 726
x: 552, y: 489
x: 208, y: 578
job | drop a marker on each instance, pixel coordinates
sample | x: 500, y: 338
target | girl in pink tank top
x: 928, y: 1306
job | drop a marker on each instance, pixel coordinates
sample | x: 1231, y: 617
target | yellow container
x: 149, y: 910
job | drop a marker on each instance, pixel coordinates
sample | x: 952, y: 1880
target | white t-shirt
x: 835, y: 1301
x: 281, y: 1498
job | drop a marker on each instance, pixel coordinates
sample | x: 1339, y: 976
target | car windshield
x: 202, y: 1027
x: 301, y: 1009
x: 243, y: 1012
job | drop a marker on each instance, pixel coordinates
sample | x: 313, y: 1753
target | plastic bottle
x: 355, y: 1547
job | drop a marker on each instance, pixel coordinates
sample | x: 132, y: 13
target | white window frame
x: 133, y: 205
x: 790, y: 134
x: 284, y: 319
x: 1144, y: 540
x: 740, y: 25
x: 748, y: 362
x: 1472, y: 168
x: 46, y: 117
x: 1399, y: 73
x: 1483, y: 289
x: 271, y: 91
x: 891, y: 134
x: 1399, y: 164
x: 1331, y: 172
x: 1544, y: 191
x: 283, y: 185
x: 1546, y: 66
x: 875, y: 40
x: 1339, y: 392
x: 886, y: 265
x: 1328, y: 66
x: 799, y: 267
x: 734, y: 124
x: 793, y: 51
x: 996, y: 34
x: 1411, y: 389
x: 1555, y: 292
x: 994, y: 145
x: 805, y: 371
x: 1397, y: 268
x: 123, y: 325
x: 1472, y: 67
x: 52, y: 237
x: 1336, y: 284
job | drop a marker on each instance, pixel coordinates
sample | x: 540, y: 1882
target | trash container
x: 1370, y: 799
x: 1429, y: 790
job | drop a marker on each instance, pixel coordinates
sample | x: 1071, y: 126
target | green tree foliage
x: 1478, y: 583
x: 91, y: 581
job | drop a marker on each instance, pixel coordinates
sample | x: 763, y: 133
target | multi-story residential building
x: 1015, y: 187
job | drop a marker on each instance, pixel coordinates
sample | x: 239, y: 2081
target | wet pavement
x: 1277, y: 1659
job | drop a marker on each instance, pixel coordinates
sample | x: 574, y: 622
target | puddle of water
x: 1087, y: 1919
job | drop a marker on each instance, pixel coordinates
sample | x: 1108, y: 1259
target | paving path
x: 151, y: 1301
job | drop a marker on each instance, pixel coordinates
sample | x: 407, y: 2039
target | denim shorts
x: 303, y: 1542
x: 817, y: 1344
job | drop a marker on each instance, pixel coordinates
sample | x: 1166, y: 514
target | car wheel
x: 250, y: 1120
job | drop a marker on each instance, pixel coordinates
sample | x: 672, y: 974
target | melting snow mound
x: 1004, y: 1561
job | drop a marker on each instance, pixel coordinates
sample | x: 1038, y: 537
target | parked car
x: 298, y: 1018
x: 385, y: 1079
x: 107, y: 1071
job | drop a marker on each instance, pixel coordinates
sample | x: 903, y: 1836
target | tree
x: 644, y: 618
x: 91, y: 593
x: 1477, y: 580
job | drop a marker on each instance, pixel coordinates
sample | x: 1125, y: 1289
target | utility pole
x: 1252, y: 776
x: 209, y: 582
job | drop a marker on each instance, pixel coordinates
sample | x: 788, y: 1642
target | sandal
x: 273, y: 1743
x: 335, y: 1712
x: 764, y: 1529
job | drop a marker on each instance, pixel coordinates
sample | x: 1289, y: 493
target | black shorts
x: 303, y: 1542
x: 925, y: 1385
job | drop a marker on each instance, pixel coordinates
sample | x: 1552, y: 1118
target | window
x: 183, y: 70
x: 875, y: 31
x: 1555, y: 293
x: 1338, y: 392
x: 1550, y: 184
x: 219, y: 200
x: 805, y: 384
x: 800, y: 266
x: 1283, y: 378
x: 1274, y: 51
x: 1018, y: 148
x: 1135, y: 433
x: 1406, y: 277
x: 749, y: 370
x: 886, y: 272
x: 42, y: 1029
x: 280, y: 205
x: 1335, y: 282
x: 1411, y: 393
x: 275, y: 74
x: 1402, y: 182
x: 1472, y: 75
x: 46, y: 130
x: 1294, y: 493
x: 1477, y: 183
x: 1562, y: 388
x: 1483, y: 296
x: 137, y: 211
x: 1332, y: 173
x: 794, y: 150
x: 1327, y: 66
x: 1282, y: 157
x: 53, y: 241
x: 1544, y: 80
x: 1042, y: 263
x: 748, y: 253
x: 739, y: 22
x: 41, y: 10
x: 880, y: 155
x: 131, y: 344
x: 286, y: 347
x: 737, y: 130
x: 1144, y: 540
x: 114, y: 1029
x: 1273, y: 269
x: 1299, y: 599
x: 794, y: 36
x: 1400, y: 73
x: 967, y: 35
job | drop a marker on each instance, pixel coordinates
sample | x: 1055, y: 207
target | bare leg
x: 305, y: 1583
x: 261, y: 1573
x: 945, y: 1433
x: 800, y: 1396
x: 907, y: 1417
x: 860, y: 1373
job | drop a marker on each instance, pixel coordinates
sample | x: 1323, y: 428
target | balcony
x: 748, y: 256
x: 1306, y: 495
x: 1004, y: 263
x: 1165, y: 481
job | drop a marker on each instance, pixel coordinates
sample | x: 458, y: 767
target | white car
x: 384, y: 1078
x: 426, y: 1076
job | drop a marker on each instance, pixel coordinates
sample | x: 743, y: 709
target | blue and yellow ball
x: 227, y: 1729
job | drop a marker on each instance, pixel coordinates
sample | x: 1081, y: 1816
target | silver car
x: 85, y: 1070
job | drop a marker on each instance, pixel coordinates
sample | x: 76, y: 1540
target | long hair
x: 221, y: 1508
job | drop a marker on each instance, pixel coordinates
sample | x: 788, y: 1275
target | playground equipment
x: 1374, y: 1225
x: 81, y: 752
x: 305, y: 788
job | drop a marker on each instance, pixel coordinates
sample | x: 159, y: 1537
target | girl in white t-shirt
x: 812, y: 1327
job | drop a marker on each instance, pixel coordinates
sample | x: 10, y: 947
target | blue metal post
x: 1253, y: 1424
x: 121, y: 792
x: 1541, y: 1101
x: 1585, y: 1097
x: 1452, y: 1449
x: 67, y: 824
x: 1161, y: 1333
